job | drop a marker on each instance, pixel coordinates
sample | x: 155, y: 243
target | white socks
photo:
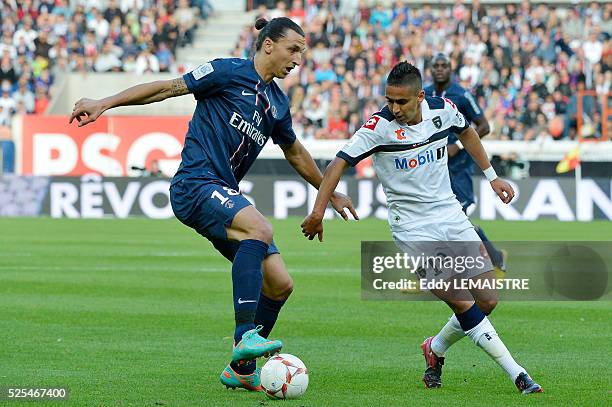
x: 484, y: 336
x: 448, y: 335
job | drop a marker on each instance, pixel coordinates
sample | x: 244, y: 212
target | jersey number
x: 223, y: 199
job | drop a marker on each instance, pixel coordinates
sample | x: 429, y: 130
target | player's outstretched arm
x: 298, y: 156
x: 88, y: 110
x: 471, y: 142
x: 313, y: 223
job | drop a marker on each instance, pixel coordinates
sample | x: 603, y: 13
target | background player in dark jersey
x: 460, y: 164
x: 239, y: 107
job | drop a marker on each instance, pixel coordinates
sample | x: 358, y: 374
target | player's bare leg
x: 277, y: 283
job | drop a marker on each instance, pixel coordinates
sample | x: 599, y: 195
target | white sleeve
x: 457, y: 120
x: 364, y: 142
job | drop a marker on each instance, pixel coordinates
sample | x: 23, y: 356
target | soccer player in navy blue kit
x: 239, y: 107
x: 460, y: 164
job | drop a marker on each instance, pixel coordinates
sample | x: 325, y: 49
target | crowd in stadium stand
x: 44, y: 38
x: 524, y: 62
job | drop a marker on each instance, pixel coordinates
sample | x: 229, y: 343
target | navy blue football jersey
x: 468, y: 106
x: 236, y: 113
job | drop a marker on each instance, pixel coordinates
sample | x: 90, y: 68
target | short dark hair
x: 405, y: 74
x: 441, y: 57
x: 274, y: 29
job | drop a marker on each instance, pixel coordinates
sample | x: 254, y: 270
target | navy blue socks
x: 247, y: 280
x: 267, y: 314
x: 470, y: 318
x: 496, y: 256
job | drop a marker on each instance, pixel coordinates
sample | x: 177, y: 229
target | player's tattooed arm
x: 88, y: 110
x: 178, y: 87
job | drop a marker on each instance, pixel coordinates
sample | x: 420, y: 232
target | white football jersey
x: 410, y: 161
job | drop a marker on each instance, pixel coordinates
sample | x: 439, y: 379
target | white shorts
x: 449, y: 248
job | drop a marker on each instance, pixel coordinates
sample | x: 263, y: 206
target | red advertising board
x: 110, y: 146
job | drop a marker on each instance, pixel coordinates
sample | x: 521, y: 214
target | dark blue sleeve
x: 208, y: 78
x: 469, y: 107
x: 283, y: 130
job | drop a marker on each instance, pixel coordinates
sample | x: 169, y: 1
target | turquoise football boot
x: 252, y: 346
x: 233, y: 380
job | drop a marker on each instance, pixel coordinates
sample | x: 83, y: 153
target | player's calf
x: 486, y: 306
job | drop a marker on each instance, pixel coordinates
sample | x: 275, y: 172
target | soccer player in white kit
x: 407, y: 141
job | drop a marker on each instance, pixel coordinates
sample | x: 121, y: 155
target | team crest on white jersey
x: 437, y: 121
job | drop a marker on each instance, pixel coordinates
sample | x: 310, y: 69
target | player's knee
x: 284, y: 291
x: 487, y: 306
x: 458, y: 306
x: 261, y: 230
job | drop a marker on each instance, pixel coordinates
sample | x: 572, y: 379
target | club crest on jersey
x: 400, y: 134
x: 371, y: 123
x: 437, y: 121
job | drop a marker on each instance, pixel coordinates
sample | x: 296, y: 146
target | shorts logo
x: 400, y: 134
x: 274, y: 112
x: 437, y: 121
x: 372, y: 122
x: 229, y: 204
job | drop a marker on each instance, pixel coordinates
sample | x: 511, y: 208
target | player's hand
x: 503, y: 190
x: 340, y: 202
x: 86, y: 111
x: 313, y: 226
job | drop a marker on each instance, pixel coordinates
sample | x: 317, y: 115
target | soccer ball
x: 284, y: 376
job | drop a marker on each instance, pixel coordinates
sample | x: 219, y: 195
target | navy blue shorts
x: 461, y: 183
x: 208, y: 208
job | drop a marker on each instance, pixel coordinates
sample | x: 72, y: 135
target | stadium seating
x: 524, y: 62
x: 43, y: 39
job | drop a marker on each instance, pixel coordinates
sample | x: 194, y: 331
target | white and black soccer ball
x: 284, y: 376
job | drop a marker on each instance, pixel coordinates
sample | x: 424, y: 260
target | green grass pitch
x: 138, y: 313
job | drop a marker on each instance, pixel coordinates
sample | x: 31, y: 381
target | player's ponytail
x: 275, y: 29
x: 260, y: 23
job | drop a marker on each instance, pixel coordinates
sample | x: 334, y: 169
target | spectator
x: 107, y: 59
x: 24, y: 95
x: 7, y: 72
x: 147, y: 62
x: 186, y: 20
x: 164, y: 56
x: 42, y: 101
x: 7, y: 102
x: 41, y: 45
